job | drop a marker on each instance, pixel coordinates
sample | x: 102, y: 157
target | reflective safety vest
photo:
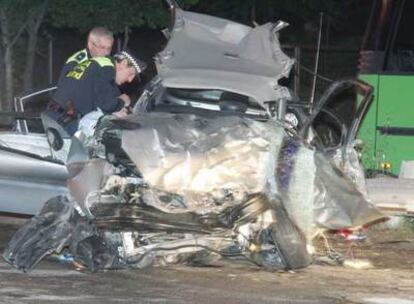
x: 78, y: 57
x: 78, y: 70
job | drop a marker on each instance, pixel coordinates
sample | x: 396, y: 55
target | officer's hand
x: 126, y: 99
x: 121, y: 113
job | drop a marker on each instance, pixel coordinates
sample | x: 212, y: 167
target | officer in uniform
x: 99, y: 43
x: 93, y: 84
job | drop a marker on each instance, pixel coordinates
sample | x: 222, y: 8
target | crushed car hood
x: 215, y: 157
x: 224, y: 55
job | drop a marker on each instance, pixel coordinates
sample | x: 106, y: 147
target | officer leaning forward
x: 93, y: 84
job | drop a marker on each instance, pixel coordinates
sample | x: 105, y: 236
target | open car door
x: 331, y: 134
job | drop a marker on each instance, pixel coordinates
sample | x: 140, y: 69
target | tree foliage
x: 114, y: 14
x: 303, y: 15
x: 17, y: 18
x: 268, y: 10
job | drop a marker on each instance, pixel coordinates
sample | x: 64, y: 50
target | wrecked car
x: 31, y: 171
x: 198, y: 188
x: 205, y: 167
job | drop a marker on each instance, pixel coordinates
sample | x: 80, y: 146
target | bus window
x: 401, y: 57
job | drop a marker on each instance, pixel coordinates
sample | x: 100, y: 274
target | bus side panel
x: 395, y: 116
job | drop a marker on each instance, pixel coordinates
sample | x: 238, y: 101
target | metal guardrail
x: 19, y: 105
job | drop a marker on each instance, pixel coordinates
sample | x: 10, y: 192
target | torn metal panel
x: 350, y: 165
x: 89, y: 179
x: 224, y: 55
x: 119, y: 239
x: 211, y: 157
x: 187, y: 153
x: 339, y: 203
x: 30, y: 143
x: 31, y: 171
x: 318, y: 195
x: 45, y: 233
x: 27, y: 181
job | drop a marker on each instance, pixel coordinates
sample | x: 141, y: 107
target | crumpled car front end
x: 188, y: 189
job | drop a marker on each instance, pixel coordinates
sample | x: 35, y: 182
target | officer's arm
x: 106, y: 91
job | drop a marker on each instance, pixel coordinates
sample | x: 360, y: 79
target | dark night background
x: 65, y: 24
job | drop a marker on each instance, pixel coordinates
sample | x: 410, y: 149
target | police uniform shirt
x: 90, y: 85
x: 74, y: 60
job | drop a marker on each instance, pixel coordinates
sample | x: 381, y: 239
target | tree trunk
x: 34, y: 21
x: 126, y: 38
x: 118, y: 44
x: 8, y: 77
x: 2, y: 67
x: 7, y: 62
x: 1, y: 76
x: 30, y: 60
x: 253, y: 16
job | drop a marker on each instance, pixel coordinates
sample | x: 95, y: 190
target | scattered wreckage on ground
x: 206, y: 166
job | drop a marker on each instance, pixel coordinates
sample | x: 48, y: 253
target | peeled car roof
x: 214, y: 53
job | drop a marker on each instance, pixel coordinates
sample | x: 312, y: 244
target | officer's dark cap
x: 133, y: 60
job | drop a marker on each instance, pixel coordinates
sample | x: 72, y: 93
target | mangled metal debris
x: 178, y: 188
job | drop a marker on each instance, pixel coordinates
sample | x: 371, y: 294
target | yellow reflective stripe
x: 78, y: 57
x: 103, y: 61
x: 79, y: 70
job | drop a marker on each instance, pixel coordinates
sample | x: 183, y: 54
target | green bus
x: 387, y: 63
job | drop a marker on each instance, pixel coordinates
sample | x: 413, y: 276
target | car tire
x: 290, y: 240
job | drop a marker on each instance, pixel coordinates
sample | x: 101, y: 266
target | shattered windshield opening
x: 208, y: 101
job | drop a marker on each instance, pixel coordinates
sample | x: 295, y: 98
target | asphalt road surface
x: 389, y: 282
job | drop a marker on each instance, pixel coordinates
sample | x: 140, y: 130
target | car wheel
x: 290, y: 240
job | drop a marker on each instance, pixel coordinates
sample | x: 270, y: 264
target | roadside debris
x: 358, y: 264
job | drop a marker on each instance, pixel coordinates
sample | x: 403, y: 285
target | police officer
x: 99, y: 43
x: 93, y: 84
